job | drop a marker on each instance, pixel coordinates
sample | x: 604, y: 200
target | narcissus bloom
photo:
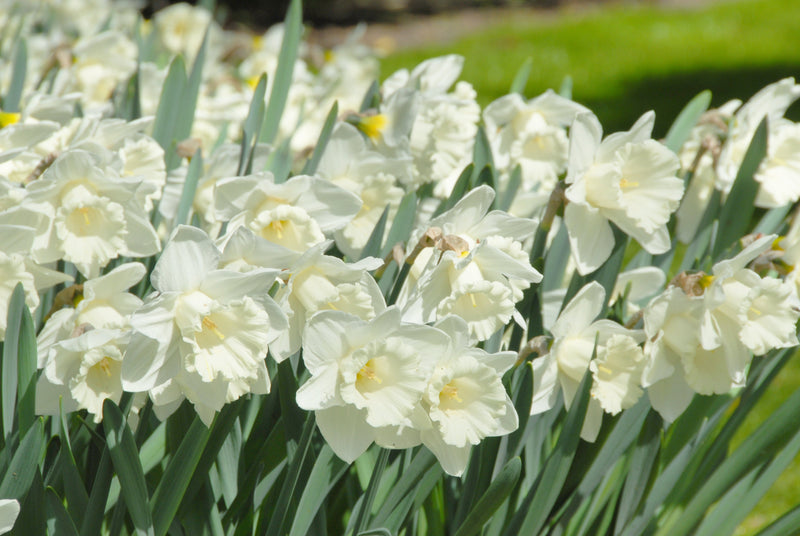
x: 627, y: 179
x: 616, y: 371
x: 367, y: 378
x: 205, y: 333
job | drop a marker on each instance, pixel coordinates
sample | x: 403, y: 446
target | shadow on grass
x: 668, y: 94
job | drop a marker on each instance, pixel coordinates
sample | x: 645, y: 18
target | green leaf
x: 371, y: 491
x: 170, y: 491
x: 292, y: 30
x: 422, y: 462
x: 319, y: 149
x: 19, y: 365
x: 373, y: 246
x: 19, y: 71
x: 566, y: 87
x: 30, y: 519
x: 227, y: 463
x: 536, y: 507
x: 74, y: 490
x: 252, y: 127
x: 375, y: 532
x: 96, y: 506
x: 521, y: 78
x: 371, y: 98
x: 24, y: 463
x: 506, y: 198
x: 10, y: 361
x: 639, y: 470
x: 125, y: 458
x: 328, y: 469
x: 459, y: 190
x: 189, y: 189
x: 773, y: 220
x: 169, y: 105
x: 279, y: 161
x: 290, y: 485
x: 682, y: 126
x: 734, y: 218
x: 494, y: 496
x: 55, y: 509
x: 775, y: 432
x: 482, y: 155
x: 739, y: 501
x: 661, y: 488
x: 402, y: 223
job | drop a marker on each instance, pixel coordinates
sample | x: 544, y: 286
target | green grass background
x: 626, y: 60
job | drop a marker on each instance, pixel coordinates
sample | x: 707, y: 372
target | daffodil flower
x: 205, y: 332
x: 628, y: 179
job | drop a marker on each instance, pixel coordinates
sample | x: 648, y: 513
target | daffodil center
x: 209, y: 325
x: 368, y: 378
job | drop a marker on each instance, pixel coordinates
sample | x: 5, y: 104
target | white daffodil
x: 181, y: 28
x: 205, y: 333
x: 96, y: 216
x: 616, y: 374
x: 703, y: 341
x: 480, y: 273
x: 465, y: 398
x: 627, y: 179
x: 101, y: 303
x: 349, y: 163
x: 81, y: 372
x: 318, y: 282
x: 445, y: 123
x: 770, y: 102
x: 533, y: 135
x: 295, y: 214
x: 367, y: 378
x: 16, y: 267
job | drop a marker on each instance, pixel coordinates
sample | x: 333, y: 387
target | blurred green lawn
x: 625, y: 61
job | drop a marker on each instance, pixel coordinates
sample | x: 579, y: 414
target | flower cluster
x: 184, y: 268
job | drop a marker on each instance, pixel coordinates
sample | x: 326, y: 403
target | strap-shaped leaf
x: 521, y: 78
x: 412, y: 475
x: 24, y: 463
x: 734, y: 218
x: 373, y: 246
x: 639, y: 469
x: 19, y: 72
x: 170, y: 491
x: 96, y: 506
x: 682, y: 126
x: 252, y: 127
x: 125, y: 459
x: 62, y: 522
x: 767, y: 440
x: 74, y: 490
x: 189, y: 189
x: 506, y: 197
x: 328, y: 469
x: 402, y: 223
x: 292, y: 30
x: 497, y: 492
x: 169, y: 104
x: 459, y: 190
x: 19, y: 365
x: 291, y: 483
x: 536, y: 508
x: 319, y: 149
